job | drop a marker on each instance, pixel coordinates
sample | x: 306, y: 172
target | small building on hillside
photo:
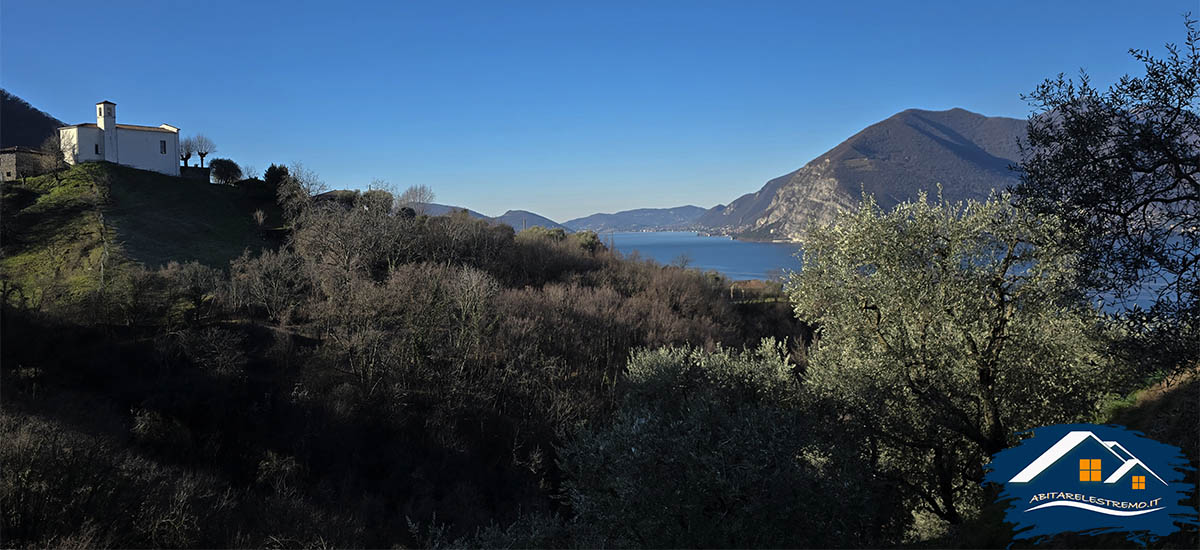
x: 147, y: 147
x: 19, y: 162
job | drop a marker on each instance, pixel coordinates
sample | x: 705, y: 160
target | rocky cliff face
x: 967, y: 154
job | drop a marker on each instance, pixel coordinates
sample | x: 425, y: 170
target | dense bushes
x: 722, y: 450
x: 377, y: 369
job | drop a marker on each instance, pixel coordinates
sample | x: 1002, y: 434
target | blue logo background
x: 1051, y: 491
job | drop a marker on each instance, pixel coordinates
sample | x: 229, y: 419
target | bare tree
x: 204, y: 147
x: 250, y: 171
x: 296, y: 191
x: 55, y: 152
x: 187, y: 147
x: 416, y: 197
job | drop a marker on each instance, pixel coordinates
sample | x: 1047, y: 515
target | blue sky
x: 562, y: 108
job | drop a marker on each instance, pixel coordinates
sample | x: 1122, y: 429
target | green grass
x: 162, y: 218
x: 53, y: 230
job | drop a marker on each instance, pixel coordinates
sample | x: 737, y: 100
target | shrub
x: 225, y: 171
x: 717, y: 450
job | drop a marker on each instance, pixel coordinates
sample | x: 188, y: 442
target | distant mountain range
x: 642, y: 219
x: 967, y: 153
x: 518, y: 219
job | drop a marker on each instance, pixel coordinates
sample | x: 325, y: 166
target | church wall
x: 85, y: 140
x: 141, y: 149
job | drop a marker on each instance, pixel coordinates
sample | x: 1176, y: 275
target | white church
x: 147, y: 147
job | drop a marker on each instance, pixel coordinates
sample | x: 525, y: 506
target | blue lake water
x: 737, y: 260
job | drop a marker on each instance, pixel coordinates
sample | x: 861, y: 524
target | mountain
x: 967, y: 153
x: 517, y: 219
x: 22, y: 123
x: 521, y: 219
x: 642, y: 219
x: 434, y: 209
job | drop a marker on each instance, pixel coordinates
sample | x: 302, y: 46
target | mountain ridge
x: 640, y: 219
x: 967, y: 153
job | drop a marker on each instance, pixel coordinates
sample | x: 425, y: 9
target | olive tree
x: 720, y: 450
x: 942, y: 330
x: 1122, y: 168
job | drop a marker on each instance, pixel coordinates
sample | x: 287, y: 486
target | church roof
x: 150, y: 128
x: 124, y: 126
x: 106, y: 101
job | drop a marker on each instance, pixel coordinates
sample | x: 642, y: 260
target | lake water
x: 737, y: 260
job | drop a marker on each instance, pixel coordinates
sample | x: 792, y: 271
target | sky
x: 560, y: 108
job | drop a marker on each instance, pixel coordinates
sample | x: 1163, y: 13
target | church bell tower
x: 106, y: 119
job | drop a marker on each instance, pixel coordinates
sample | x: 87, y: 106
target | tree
x: 225, y: 171
x: 943, y: 329
x: 416, y: 197
x: 1122, y: 168
x: 297, y: 187
x: 55, y: 151
x: 718, y: 450
x: 204, y: 147
x: 274, y: 283
x: 187, y: 147
x: 274, y: 175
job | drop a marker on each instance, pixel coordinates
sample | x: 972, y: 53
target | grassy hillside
x: 58, y: 233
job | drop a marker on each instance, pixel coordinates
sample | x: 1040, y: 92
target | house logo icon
x: 1092, y: 479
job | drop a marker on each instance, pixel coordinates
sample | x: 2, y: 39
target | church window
x: 162, y: 146
x: 97, y: 148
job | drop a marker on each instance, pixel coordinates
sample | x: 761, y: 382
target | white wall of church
x: 145, y: 149
x: 83, y: 142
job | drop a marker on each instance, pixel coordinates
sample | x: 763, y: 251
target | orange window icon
x: 1089, y: 469
x: 1139, y: 482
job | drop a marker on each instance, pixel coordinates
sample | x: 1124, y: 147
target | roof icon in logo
x: 1074, y: 439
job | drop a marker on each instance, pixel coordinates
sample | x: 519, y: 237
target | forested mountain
x: 522, y: 219
x: 22, y: 123
x: 517, y: 219
x: 641, y: 219
x: 968, y: 154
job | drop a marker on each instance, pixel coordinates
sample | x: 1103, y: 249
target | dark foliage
x: 379, y: 379
x: 275, y: 175
x: 1122, y: 168
x: 23, y: 124
x: 225, y: 171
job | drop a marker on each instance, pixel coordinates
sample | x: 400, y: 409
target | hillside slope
x: 641, y: 219
x: 22, y: 123
x: 522, y: 219
x: 56, y: 233
x: 967, y: 153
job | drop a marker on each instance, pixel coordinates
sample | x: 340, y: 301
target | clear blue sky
x: 562, y: 108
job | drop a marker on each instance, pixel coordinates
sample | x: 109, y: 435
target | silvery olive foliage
x: 943, y: 330
x: 719, y: 449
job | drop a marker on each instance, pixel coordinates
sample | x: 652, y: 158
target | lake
x: 737, y: 260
